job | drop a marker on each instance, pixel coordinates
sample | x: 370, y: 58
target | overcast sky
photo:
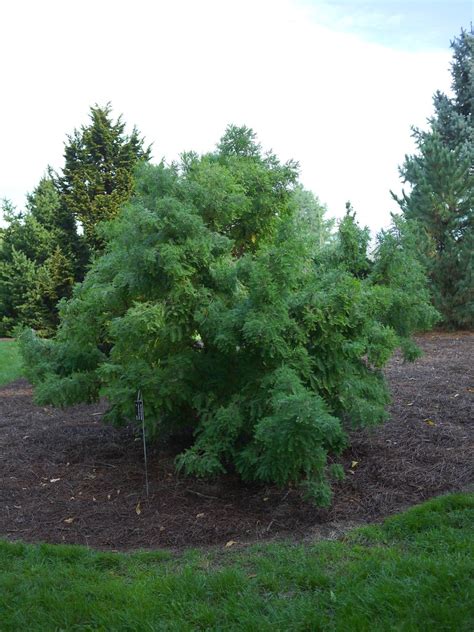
x: 335, y: 85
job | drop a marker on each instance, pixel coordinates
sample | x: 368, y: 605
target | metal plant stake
x: 140, y: 416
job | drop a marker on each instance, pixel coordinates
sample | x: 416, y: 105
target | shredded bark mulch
x: 65, y: 477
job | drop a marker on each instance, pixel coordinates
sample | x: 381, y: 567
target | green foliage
x: 352, y: 245
x: 309, y: 215
x: 97, y: 177
x: 400, y: 281
x: 42, y: 253
x: 441, y: 199
x: 17, y: 278
x: 207, y: 298
x: 10, y: 361
x: 241, y: 193
x: 414, y: 572
x: 36, y: 262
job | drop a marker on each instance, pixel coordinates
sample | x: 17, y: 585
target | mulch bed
x: 65, y: 477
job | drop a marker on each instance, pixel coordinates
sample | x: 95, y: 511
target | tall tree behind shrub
x: 42, y: 253
x: 208, y: 298
x: 36, y: 262
x: 441, y: 199
x: 97, y: 177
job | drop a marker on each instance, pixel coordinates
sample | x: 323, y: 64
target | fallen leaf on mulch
x: 429, y: 421
x: 354, y: 464
x: 200, y: 515
x: 69, y: 520
x: 54, y: 480
x: 138, y: 509
x: 230, y: 543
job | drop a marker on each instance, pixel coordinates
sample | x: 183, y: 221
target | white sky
x: 337, y: 101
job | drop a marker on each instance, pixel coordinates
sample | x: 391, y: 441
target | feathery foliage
x: 210, y: 298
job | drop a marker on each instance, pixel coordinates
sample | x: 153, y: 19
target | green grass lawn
x: 10, y: 362
x: 415, y: 572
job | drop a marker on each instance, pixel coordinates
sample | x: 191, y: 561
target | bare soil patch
x: 65, y: 477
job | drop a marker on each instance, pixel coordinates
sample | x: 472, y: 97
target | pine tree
x: 441, y: 199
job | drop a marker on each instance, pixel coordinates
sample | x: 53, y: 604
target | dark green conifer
x: 31, y: 241
x: 97, y: 177
x: 44, y: 243
x: 441, y: 195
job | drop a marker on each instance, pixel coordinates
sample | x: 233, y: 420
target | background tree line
x: 48, y: 247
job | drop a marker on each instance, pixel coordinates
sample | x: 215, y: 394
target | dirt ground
x: 67, y: 478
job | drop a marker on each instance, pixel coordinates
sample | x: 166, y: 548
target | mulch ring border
x: 68, y: 478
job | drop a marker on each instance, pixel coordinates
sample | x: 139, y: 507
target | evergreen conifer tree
x: 97, y: 177
x: 441, y: 199
x: 17, y: 277
x: 96, y: 180
x: 31, y: 242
